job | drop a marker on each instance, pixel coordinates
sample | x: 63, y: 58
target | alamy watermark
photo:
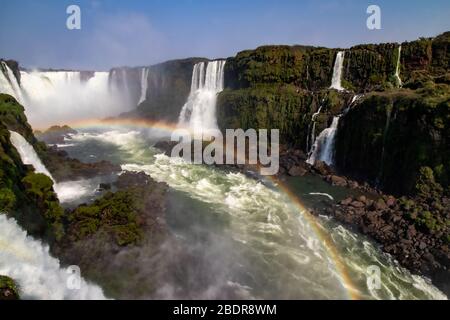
x: 74, y: 278
x: 374, y: 20
x: 73, y: 21
x: 239, y: 147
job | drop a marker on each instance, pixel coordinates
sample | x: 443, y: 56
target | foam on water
x: 37, y: 273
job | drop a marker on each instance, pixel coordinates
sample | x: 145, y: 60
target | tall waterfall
x: 397, y: 68
x: 323, y: 147
x: 37, y: 273
x: 144, y: 84
x: 61, y: 97
x: 337, y: 71
x: 199, y: 112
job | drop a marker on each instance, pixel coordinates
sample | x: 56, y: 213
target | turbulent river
x: 248, y: 235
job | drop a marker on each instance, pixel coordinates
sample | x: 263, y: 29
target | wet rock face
x: 389, y: 136
x: 14, y: 66
x: 169, y: 84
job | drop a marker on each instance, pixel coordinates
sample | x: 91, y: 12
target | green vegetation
x: 428, y: 209
x: 116, y: 213
x: 27, y: 196
x: 286, y: 108
x: 389, y: 136
x: 122, y: 215
x: 8, y: 289
x: 303, y: 67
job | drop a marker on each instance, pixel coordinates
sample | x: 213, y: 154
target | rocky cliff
x: 25, y: 195
x: 169, y: 84
x: 281, y: 87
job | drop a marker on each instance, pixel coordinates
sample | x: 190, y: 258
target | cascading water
x: 66, y: 191
x: 312, y: 138
x: 144, y: 84
x: 28, y: 154
x: 323, y: 146
x: 397, y: 68
x: 337, y: 72
x: 37, y: 273
x: 199, y: 112
x: 65, y: 96
x: 9, y: 83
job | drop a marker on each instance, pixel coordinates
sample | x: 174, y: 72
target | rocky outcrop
x: 64, y: 168
x: 55, y: 134
x: 14, y: 66
x: 8, y: 289
x: 416, y: 231
x: 108, y: 237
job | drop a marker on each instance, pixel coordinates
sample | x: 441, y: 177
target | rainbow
x: 352, y: 291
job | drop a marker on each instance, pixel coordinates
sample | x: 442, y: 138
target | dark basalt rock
x: 64, y: 168
x: 55, y: 134
x: 169, y: 84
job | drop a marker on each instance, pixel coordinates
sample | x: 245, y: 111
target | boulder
x: 358, y: 204
x: 321, y: 168
x: 380, y: 204
x: 338, y: 181
x: 346, y: 201
x: 296, y: 171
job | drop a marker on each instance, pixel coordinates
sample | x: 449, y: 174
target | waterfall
x: 323, y: 147
x: 144, y: 84
x: 397, y: 68
x: 28, y: 154
x: 313, y: 131
x: 199, y: 112
x: 37, y: 273
x: 9, y: 83
x: 61, y: 97
x: 66, y: 191
x: 337, y: 71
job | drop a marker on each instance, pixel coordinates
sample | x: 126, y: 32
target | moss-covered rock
x: 389, y: 136
x: 304, y: 67
x: 286, y: 108
x: 25, y: 195
x: 8, y: 289
x: 106, y: 237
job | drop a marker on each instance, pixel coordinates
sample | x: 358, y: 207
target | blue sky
x: 143, y: 32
